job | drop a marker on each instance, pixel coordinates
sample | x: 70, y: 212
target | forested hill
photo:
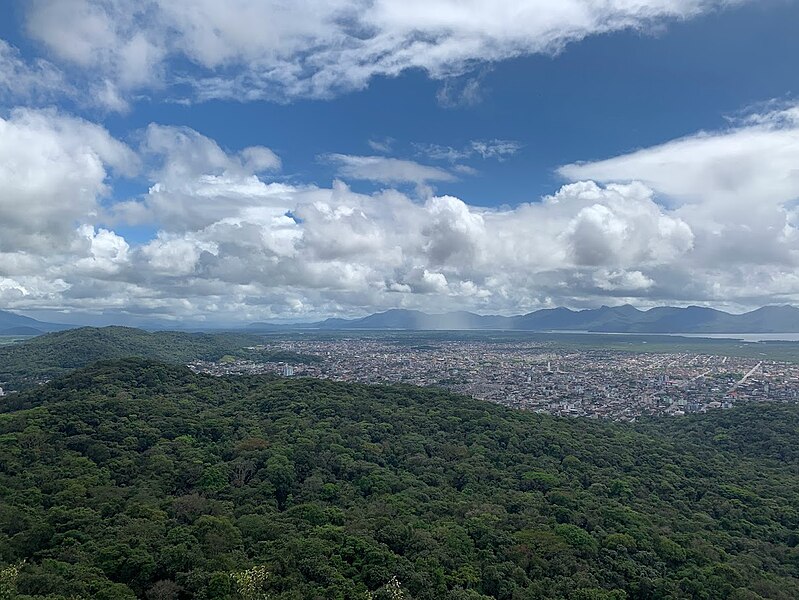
x: 136, y: 479
x: 47, y: 356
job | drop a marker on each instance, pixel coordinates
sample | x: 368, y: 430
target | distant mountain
x: 21, y: 330
x: 401, y: 319
x: 696, y: 319
x: 600, y: 319
x: 771, y: 319
x: 10, y: 321
x: 618, y: 319
x: 414, y: 319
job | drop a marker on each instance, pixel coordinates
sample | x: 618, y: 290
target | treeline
x: 48, y: 356
x: 134, y: 479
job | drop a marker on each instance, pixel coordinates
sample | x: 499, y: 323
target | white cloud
x: 53, y: 170
x: 259, y: 159
x: 343, y: 250
x: 620, y: 225
x: 187, y: 154
x: 460, y: 94
x: 757, y: 160
x: 104, y: 34
x: 29, y: 81
x: 498, y: 149
x: 430, y: 282
x: 175, y: 255
x: 386, y: 170
x: 439, y: 152
x: 486, y: 149
x: 107, y: 252
x: 627, y: 281
x: 383, y: 146
x: 234, y: 244
x: 196, y: 182
x: 737, y: 187
x: 247, y: 49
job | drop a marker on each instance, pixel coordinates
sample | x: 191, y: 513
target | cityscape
x: 539, y: 376
x: 399, y: 300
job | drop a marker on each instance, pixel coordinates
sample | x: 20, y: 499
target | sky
x: 200, y: 162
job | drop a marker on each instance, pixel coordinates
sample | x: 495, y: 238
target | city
x: 540, y: 376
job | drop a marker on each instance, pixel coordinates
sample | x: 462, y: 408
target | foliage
x: 135, y: 479
x: 250, y: 583
x: 54, y: 354
x: 8, y: 581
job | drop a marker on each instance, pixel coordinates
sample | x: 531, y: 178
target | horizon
x: 177, y: 324
x: 164, y: 163
x: 399, y: 299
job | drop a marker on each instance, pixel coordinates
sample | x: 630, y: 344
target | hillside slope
x: 10, y: 321
x: 54, y: 354
x: 136, y: 479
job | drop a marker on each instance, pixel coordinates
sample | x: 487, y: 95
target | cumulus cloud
x: 233, y: 242
x: 174, y: 255
x: 738, y: 187
x: 630, y: 282
x: 280, y: 250
x: 53, y: 171
x: 196, y: 183
x: 619, y: 225
x: 104, y: 251
x: 187, y: 154
x: 248, y: 49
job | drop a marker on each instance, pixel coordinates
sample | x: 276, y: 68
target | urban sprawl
x: 535, y: 376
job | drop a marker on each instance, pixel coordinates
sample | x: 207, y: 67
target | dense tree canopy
x: 47, y: 356
x: 134, y: 479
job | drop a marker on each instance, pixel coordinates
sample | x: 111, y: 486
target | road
x: 745, y: 377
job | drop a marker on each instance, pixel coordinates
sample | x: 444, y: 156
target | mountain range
x: 618, y: 319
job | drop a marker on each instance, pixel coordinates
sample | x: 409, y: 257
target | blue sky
x: 484, y: 133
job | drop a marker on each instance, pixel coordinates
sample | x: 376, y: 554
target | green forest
x: 30, y: 362
x: 137, y: 479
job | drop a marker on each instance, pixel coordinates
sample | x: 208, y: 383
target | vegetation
x: 135, y: 479
x: 44, y: 357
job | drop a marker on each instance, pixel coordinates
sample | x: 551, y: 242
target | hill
x: 618, y: 319
x: 50, y: 355
x: 9, y: 320
x: 21, y: 330
x: 134, y: 479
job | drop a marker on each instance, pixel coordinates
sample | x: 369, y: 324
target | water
x: 745, y: 337
x: 740, y: 337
